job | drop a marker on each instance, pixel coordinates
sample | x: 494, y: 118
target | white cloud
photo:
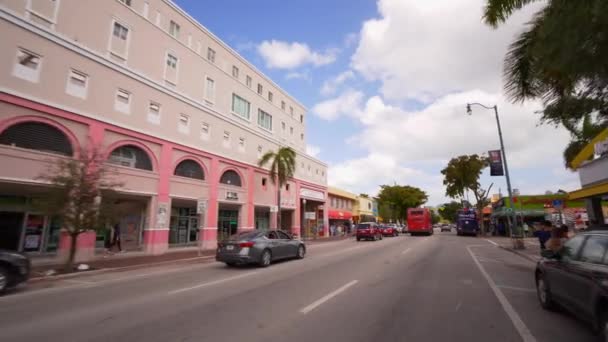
x: 284, y: 55
x: 298, y: 75
x: 425, y: 49
x: 396, y: 140
x: 313, y: 150
x: 330, y: 86
x: 345, y: 104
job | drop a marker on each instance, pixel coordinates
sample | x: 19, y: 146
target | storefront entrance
x: 184, y: 226
x: 262, y: 218
x: 227, y: 221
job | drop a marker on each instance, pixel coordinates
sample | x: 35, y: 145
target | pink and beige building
x: 181, y: 116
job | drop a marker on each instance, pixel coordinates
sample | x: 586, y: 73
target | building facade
x: 364, y: 210
x: 180, y: 115
x: 341, y: 204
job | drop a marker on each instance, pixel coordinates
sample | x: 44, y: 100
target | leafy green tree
x: 81, y: 195
x: 282, y: 167
x: 435, y: 218
x: 461, y: 174
x: 448, y: 211
x: 561, y: 59
x: 398, y: 198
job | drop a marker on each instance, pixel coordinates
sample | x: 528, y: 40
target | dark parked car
x: 389, y: 230
x: 259, y: 247
x: 368, y: 231
x: 14, y: 269
x: 576, y: 278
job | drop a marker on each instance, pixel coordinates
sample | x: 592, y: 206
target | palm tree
x: 282, y: 166
x: 560, y: 59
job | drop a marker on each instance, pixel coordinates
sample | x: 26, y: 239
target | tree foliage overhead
x: 462, y: 173
x: 448, y: 211
x: 560, y: 58
x: 398, y: 198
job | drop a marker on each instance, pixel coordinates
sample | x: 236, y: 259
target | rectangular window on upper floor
x: 158, y: 18
x: 283, y: 126
x: 291, y: 130
x: 154, y: 113
x: 226, y: 142
x: 301, y: 118
x: 302, y: 136
x: 122, y: 102
x: 146, y: 9
x: 270, y: 96
x: 291, y: 110
x: 183, y: 125
x: 235, y: 72
x: 264, y: 120
x: 119, y: 40
x: 171, y: 69
x: 248, y: 81
x: 264, y: 181
x: 174, y: 29
x: 260, y: 89
x: 205, y: 131
x: 260, y: 149
x: 241, y: 144
x: 43, y: 12
x: 209, y: 90
x: 77, y: 84
x: 27, y: 66
x: 283, y: 105
x: 190, y: 41
x: 211, y: 55
x: 241, y: 107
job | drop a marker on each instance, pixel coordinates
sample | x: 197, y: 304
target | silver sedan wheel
x: 301, y: 252
x: 542, y: 290
x: 266, y: 258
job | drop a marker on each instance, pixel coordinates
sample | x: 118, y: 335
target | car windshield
x: 364, y: 226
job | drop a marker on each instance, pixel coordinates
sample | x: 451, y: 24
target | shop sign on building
x: 496, y: 163
x: 201, y: 206
x: 232, y: 195
x: 312, y: 194
x: 309, y: 215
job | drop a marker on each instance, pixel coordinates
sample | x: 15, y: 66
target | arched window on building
x: 230, y: 177
x: 189, y: 168
x: 131, y: 156
x: 37, y: 136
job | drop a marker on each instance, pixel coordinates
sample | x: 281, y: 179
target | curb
x: 523, y: 255
x: 115, y: 269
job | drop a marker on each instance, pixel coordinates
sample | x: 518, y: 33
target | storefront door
x: 184, y: 226
x: 10, y: 230
x: 227, y: 223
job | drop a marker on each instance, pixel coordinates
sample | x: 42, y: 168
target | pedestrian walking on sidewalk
x: 116, y: 237
x: 543, y: 234
x: 555, y: 242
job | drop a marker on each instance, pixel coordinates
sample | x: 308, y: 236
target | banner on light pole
x: 496, y: 168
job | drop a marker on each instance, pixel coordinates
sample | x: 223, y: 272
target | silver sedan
x: 259, y: 247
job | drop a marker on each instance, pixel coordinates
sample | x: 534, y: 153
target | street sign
x: 558, y: 204
x: 496, y: 163
x: 201, y: 206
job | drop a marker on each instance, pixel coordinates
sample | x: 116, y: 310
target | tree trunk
x: 279, y: 207
x: 69, y: 264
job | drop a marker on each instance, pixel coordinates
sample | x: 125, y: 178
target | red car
x: 389, y: 230
x: 368, y: 231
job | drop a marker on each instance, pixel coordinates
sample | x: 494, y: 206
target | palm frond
x: 498, y: 11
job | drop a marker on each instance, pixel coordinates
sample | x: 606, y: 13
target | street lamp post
x: 504, y: 158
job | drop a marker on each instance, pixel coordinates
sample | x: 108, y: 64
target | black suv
x: 576, y: 278
x: 14, y: 269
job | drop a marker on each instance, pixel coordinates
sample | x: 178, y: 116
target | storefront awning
x: 587, y: 151
x: 340, y: 215
x: 590, y: 191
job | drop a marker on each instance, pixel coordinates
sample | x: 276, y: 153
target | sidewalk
x: 531, y: 252
x: 137, y: 259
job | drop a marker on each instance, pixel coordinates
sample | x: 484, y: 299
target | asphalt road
x: 439, y: 288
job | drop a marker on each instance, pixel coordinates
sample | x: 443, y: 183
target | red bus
x: 419, y: 221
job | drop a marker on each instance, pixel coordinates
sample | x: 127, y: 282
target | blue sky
x: 386, y: 83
